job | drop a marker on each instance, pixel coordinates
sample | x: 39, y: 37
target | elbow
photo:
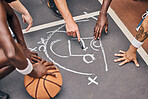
x: 11, y: 54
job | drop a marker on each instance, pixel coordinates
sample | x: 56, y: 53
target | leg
x: 6, y: 70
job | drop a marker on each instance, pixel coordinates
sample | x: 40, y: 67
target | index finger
x: 29, y: 26
x: 37, y: 57
x: 78, y: 35
x: 100, y: 32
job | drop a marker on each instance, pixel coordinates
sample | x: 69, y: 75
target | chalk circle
x: 88, y: 55
x: 93, y: 44
x: 58, y: 64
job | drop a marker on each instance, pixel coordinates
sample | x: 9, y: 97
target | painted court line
x: 55, y: 23
x: 126, y: 32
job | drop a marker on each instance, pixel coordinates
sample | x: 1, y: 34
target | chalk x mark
x: 92, y: 80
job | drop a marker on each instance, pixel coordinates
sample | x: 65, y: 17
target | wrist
x: 23, y: 45
x: 68, y: 18
x: 103, y: 13
x: 132, y: 49
x: 25, y: 12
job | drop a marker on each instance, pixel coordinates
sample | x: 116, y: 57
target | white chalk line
x: 126, y: 32
x: 91, y: 45
x: 84, y: 56
x: 92, y: 80
x: 84, y: 38
x: 45, y: 41
x: 76, y: 72
x: 57, y: 64
x: 51, y: 45
x: 104, y: 56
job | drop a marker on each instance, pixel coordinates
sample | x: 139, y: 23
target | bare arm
x: 8, y: 45
x: 71, y: 26
x: 13, y: 51
x: 17, y: 5
x: 130, y: 54
x: 16, y: 28
x: 102, y: 20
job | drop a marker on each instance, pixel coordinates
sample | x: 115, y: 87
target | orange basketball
x: 46, y: 87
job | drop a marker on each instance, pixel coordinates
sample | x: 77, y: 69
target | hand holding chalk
x: 72, y: 29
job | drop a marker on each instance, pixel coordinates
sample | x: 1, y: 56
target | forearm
x: 63, y: 8
x: 142, y: 33
x: 17, y: 5
x: 16, y: 28
x: 105, y: 6
x: 13, y: 53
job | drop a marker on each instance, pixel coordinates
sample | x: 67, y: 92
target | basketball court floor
x: 90, y: 74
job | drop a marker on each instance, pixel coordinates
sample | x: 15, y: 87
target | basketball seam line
x: 45, y: 87
x: 56, y: 72
x: 52, y: 82
x: 30, y: 83
x: 37, y: 88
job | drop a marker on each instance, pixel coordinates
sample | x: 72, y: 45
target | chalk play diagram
x: 45, y: 44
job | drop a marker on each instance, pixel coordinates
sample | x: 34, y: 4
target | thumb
x: 78, y: 35
x: 136, y: 63
x: 24, y: 21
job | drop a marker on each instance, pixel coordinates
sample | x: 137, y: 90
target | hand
x: 100, y: 24
x: 128, y: 56
x: 72, y: 29
x: 33, y: 56
x: 41, y: 68
x: 27, y: 18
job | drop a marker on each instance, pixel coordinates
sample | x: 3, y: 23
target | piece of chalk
x: 82, y: 44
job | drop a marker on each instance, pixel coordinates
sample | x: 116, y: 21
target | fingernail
x: 138, y: 65
x: 115, y: 60
x: 115, y: 54
x: 119, y: 64
x: 98, y: 38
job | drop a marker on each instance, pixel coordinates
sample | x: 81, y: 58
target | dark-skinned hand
x: 101, y: 23
x: 41, y: 68
x: 33, y: 56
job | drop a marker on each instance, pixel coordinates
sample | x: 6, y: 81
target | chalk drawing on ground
x: 92, y: 80
x: 43, y: 47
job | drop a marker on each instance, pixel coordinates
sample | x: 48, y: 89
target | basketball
x: 46, y: 87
